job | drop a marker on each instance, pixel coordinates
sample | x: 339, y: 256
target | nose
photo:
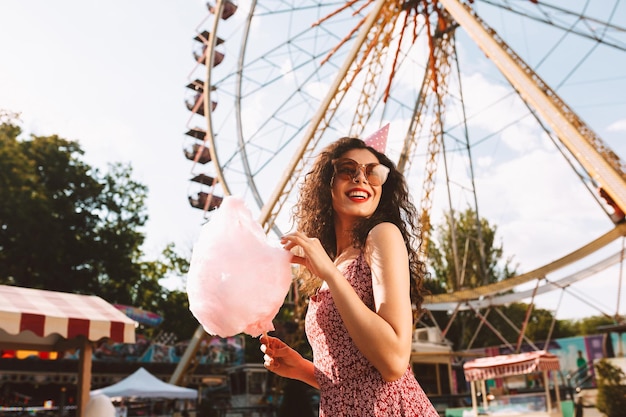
x: 360, y: 174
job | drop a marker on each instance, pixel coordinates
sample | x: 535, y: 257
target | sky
x: 112, y: 76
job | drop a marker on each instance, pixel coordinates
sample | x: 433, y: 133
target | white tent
x: 142, y: 384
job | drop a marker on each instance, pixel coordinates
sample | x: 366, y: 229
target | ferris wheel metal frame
x: 368, y: 44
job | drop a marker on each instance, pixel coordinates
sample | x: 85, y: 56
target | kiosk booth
x: 52, y: 321
x: 499, y: 401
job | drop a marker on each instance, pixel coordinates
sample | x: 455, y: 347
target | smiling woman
x: 356, y: 242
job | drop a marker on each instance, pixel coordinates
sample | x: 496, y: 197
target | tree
x: 66, y: 226
x: 463, y: 254
x: 611, y: 399
x: 48, y: 235
x: 173, y: 305
x: 461, y: 264
x: 589, y: 325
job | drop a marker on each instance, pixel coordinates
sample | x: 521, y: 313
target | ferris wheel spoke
x: 602, y: 31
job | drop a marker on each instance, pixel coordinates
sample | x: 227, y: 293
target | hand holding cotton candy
x: 237, y: 282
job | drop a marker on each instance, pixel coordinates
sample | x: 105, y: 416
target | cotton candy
x: 237, y: 282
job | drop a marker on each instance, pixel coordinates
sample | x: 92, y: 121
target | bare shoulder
x: 384, y: 233
x: 384, y: 238
x: 387, y: 256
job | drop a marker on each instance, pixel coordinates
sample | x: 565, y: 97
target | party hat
x: 378, y: 140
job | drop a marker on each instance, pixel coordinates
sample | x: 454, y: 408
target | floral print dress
x: 350, y: 386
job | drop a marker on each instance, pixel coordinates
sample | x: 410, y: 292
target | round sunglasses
x: 348, y: 169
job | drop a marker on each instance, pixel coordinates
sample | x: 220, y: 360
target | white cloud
x: 618, y: 126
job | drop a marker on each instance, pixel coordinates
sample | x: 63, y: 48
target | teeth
x: 357, y: 194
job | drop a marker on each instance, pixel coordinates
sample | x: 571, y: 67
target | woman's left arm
x: 382, y: 335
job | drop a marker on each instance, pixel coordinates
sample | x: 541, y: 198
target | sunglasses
x: 348, y: 169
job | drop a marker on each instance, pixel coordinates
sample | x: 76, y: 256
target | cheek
x: 377, y: 199
x: 334, y: 195
x: 334, y: 191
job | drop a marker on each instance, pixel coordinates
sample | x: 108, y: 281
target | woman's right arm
x: 284, y: 361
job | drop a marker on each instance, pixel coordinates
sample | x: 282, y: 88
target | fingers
x: 291, y: 240
x: 270, y: 346
x: 295, y: 259
x: 267, y: 351
x: 273, y: 346
x: 266, y: 342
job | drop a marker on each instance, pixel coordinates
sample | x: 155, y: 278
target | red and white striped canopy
x: 39, y: 318
x: 509, y: 365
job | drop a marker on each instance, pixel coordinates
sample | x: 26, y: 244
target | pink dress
x: 349, y: 384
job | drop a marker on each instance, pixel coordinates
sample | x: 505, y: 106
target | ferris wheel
x: 512, y: 108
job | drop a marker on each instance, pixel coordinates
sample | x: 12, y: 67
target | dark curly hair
x: 314, y: 213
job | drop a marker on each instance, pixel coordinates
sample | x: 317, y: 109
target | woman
x: 356, y: 234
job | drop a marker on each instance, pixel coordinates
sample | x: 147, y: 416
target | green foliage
x: 611, y: 399
x: 478, y: 259
x: 590, y: 325
x: 66, y: 226
x: 567, y: 328
x: 172, y: 305
x: 470, y: 248
x: 48, y: 234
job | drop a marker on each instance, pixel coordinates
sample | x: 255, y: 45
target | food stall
x: 52, y: 321
x: 511, y: 403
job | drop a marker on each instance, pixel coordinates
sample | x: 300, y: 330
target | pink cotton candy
x: 237, y: 282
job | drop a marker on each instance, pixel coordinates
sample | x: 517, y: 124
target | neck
x: 343, y: 235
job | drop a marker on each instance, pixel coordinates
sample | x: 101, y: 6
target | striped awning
x: 509, y: 365
x: 39, y: 319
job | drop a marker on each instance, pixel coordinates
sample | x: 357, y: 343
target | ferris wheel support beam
x: 239, y: 86
x: 480, y: 294
x: 584, y: 145
x: 177, y: 377
x: 212, y: 41
x: 270, y: 209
